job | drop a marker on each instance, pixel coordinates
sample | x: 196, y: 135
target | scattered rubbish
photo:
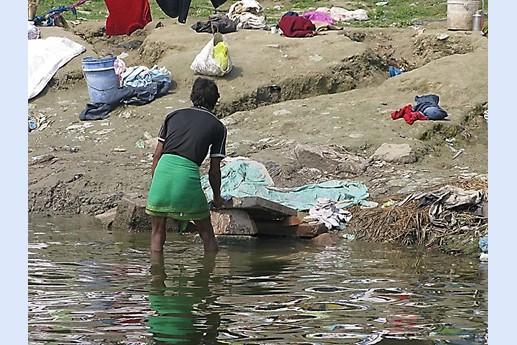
x: 483, y: 243
x: 42, y: 158
x: 315, y: 58
x: 140, y: 144
x: 388, y: 203
x: 349, y: 237
x: 32, y: 124
x: 381, y: 3
x: 326, y: 212
x: 80, y: 127
x: 483, y: 257
x: 72, y: 149
x: 281, y: 112
x: 104, y: 131
x: 442, y: 37
x: 459, y: 152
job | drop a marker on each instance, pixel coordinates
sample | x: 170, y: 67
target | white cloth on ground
x: 326, y: 212
x: 340, y: 14
x: 45, y: 57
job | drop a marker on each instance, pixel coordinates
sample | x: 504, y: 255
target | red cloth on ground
x: 408, y: 114
x: 296, y: 26
x: 126, y: 16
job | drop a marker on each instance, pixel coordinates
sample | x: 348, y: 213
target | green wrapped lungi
x: 176, y: 190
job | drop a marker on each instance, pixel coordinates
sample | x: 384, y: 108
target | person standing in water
x: 186, y: 136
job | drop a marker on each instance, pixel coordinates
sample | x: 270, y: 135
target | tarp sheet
x: 46, y: 56
x: 241, y: 178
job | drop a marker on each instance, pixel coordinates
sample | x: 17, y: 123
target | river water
x: 88, y: 285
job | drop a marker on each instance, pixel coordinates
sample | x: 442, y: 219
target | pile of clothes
x: 426, y: 108
x: 138, y: 85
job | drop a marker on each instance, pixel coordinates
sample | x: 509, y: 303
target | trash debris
x: 140, y: 144
x: 483, y: 244
x: 42, y: 158
x: 394, y: 71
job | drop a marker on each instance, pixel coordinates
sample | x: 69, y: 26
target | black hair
x: 204, y: 93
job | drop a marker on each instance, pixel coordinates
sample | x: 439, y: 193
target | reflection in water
x: 92, y: 286
x: 181, y: 316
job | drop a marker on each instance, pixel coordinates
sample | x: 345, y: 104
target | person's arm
x: 214, y: 177
x: 156, y: 156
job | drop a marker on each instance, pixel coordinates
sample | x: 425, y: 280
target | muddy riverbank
x: 332, y: 90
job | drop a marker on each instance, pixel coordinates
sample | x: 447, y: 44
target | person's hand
x: 218, y: 202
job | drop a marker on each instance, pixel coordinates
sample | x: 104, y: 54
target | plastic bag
x: 206, y: 63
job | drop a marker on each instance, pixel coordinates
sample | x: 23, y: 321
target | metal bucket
x: 460, y: 14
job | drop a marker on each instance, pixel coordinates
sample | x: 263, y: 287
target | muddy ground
x: 331, y: 89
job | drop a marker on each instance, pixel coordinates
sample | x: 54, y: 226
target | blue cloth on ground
x: 242, y: 178
x: 394, y: 71
x: 428, y: 105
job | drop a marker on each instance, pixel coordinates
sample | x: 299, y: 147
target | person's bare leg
x: 158, y: 272
x: 158, y: 233
x: 206, y: 232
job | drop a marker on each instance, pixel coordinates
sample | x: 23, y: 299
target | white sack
x: 204, y: 63
x: 46, y: 56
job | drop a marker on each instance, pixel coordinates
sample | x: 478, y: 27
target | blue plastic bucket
x: 100, y: 77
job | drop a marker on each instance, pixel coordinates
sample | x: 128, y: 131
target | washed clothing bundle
x: 426, y: 108
x: 428, y: 105
x: 326, y: 212
x: 53, y: 16
x: 215, y: 23
x: 408, y: 114
x: 138, y: 85
x: 293, y: 25
x: 138, y: 76
x: 124, y: 95
x: 33, y: 31
x: 247, y: 14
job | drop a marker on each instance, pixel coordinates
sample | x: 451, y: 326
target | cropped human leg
x: 206, y: 232
x: 158, y: 233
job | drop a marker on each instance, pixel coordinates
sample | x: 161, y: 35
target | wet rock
x: 232, y: 222
x: 107, y: 218
x: 327, y: 239
x: 395, y: 153
x: 131, y: 216
x: 332, y: 159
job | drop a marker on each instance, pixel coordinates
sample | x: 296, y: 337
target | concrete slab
x: 260, y: 209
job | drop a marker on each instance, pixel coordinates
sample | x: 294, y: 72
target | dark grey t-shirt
x: 191, y: 132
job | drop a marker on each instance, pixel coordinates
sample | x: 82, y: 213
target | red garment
x: 296, y: 26
x: 126, y: 16
x: 408, y: 114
